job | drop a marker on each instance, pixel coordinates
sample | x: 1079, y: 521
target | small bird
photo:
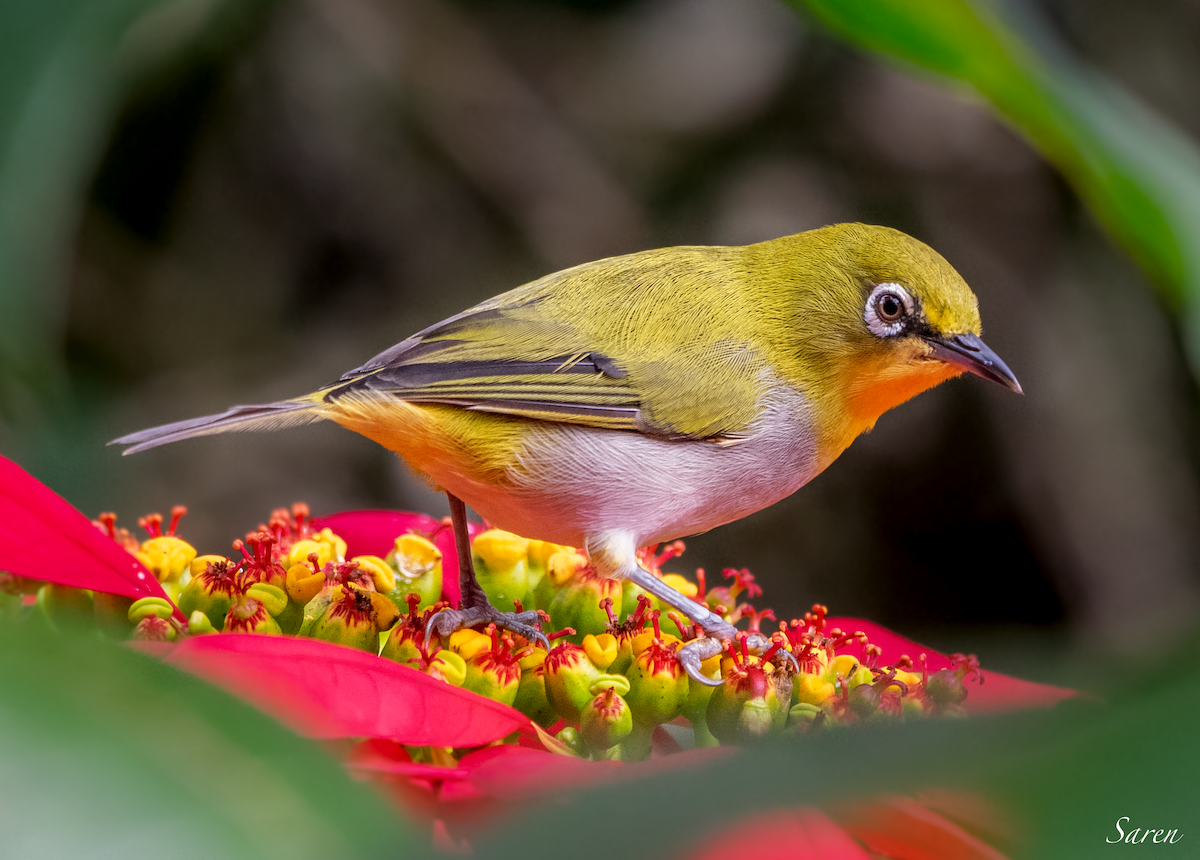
x: 642, y: 398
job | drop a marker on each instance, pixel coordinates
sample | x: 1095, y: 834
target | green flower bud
x: 531, y: 699
x: 569, y: 675
x: 607, y: 720
x: 418, y: 567
x: 501, y: 566
x: 211, y: 589
x: 658, y: 686
x: 199, y: 625
x: 494, y: 672
x: 570, y: 736
x: 945, y: 689
x: 541, y: 561
x: 355, y: 618
x: 746, y: 706
x: 112, y: 613
x: 581, y: 604
x: 71, y: 607
x: 151, y: 628
x: 805, y: 717
x: 254, y: 610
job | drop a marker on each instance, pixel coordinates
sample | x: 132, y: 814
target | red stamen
x: 607, y: 605
x: 152, y: 523
x: 686, y: 630
x: 701, y: 584
x: 109, y: 519
x: 177, y: 513
x: 566, y: 631
x: 240, y: 546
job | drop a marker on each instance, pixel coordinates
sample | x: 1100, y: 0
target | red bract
x: 997, y: 693
x: 375, y: 533
x: 42, y: 537
x: 802, y: 832
x: 325, y: 690
x: 903, y: 828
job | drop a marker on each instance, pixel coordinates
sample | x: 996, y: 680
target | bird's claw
x: 448, y: 621
x: 694, y: 653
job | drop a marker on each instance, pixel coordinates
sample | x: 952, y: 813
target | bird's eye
x: 888, y: 309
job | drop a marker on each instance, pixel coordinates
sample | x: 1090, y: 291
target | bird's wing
x: 613, y: 344
x: 505, y: 361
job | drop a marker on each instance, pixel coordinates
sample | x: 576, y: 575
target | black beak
x: 974, y: 356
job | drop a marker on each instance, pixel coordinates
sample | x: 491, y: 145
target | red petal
x: 997, y: 693
x: 375, y: 533
x: 802, y: 832
x: 326, y: 691
x: 903, y: 829
x: 42, y: 537
x: 513, y: 772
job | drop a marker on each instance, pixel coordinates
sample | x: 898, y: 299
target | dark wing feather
x: 505, y: 361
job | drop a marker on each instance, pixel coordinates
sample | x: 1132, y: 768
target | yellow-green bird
x: 647, y: 397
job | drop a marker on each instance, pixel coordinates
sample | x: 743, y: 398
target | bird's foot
x: 525, y: 624
x: 694, y: 653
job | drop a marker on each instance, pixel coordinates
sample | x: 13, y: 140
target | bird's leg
x: 475, y: 608
x: 716, y: 628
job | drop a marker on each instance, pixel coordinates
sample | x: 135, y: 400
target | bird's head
x: 882, y: 317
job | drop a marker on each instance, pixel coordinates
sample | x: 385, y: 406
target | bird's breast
x: 568, y: 482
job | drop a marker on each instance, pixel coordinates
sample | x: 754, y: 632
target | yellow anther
x: 683, y: 586
x: 380, y: 571
x: 532, y: 658
x: 564, y: 565
x: 500, y: 550
x: 302, y: 549
x: 167, y: 557
x: 450, y: 667
x: 601, y: 650
x: 336, y: 545
x: 467, y: 643
x: 810, y: 689
x: 200, y: 563
x: 303, y: 583
x: 385, y: 611
x: 642, y: 641
x: 415, y: 556
x: 540, y: 552
x: 843, y: 665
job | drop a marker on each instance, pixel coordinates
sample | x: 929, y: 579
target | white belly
x: 574, y: 482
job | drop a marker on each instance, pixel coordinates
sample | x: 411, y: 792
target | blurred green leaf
x: 58, y: 70
x: 105, y: 752
x: 1139, y: 175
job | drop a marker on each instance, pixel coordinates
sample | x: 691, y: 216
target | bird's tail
x: 265, y: 416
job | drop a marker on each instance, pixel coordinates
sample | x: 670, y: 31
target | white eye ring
x: 878, y: 321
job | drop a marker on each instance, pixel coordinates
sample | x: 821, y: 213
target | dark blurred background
x: 281, y: 190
